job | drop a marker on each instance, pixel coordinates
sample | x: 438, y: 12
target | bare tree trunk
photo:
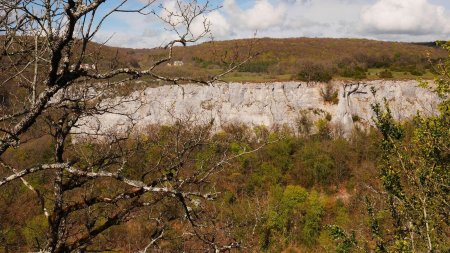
x: 50, y: 40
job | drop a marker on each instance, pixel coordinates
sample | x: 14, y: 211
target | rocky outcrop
x: 268, y: 104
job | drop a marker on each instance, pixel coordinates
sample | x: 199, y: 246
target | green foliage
x: 313, y: 219
x: 304, y: 123
x: 392, y: 132
x: 276, y: 198
x: 314, y: 72
x: 323, y: 129
x: 342, y: 152
x: 341, y: 214
x: 280, y: 152
x: 314, y: 166
x: 355, y: 118
x: 202, y: 63
x: 35, y: 230
x: 346, y: 243
x: 329, y: 94
x: 204, y: 156
x: 354, y: 72
x: 266, y: 176
x: 256, y: 66
x: 414, y: 174
x: 385, y: 74
x: 416, y: 72
x: 294, y: 215
x: 348, y: 58
x: 375, y: 228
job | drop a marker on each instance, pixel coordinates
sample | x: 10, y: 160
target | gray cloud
x: 410, y: 17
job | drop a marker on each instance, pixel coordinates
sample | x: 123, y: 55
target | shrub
x: 257, y: 66
x: 323, y: 129
x: 134, y: 63
x: 385, y: 74
x: 293, y: 216
x: 416, y: 72
x: 202, y: 63
x: 353, y: 68
x: 342, y: 153
x: 266, y: 176
x: 35, y: 230
x: 279, y: 153
x: 355, y: 118
x: 313, y: 166
x: 313, y: 219
x: 329, y: 94
x: 354, y: 72
x: 314, y: 72
x: 303, y: 123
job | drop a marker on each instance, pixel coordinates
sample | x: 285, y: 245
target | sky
x: 391, y: 20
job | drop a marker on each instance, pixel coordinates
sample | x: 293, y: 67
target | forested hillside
x: 305, y: 59
x: 184, y: 187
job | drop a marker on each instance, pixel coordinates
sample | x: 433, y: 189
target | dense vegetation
x: 277, y: 197
x: 305, y: 59
x: 280, y: 197
x: 304, y: 190
x: 411, y: 213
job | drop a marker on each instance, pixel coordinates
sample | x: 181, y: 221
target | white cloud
x: 171, y: 12
x: 220, y: 27
x: 400, y: 20
x: 410, y: 17
x: 262, y: 15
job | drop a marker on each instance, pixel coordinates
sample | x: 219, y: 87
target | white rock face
x: 268, y: 104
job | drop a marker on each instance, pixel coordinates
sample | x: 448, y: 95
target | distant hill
x: 428, y: 44
x: 307, y: 59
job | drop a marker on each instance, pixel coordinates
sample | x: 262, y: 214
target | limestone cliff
x: 269, y: 104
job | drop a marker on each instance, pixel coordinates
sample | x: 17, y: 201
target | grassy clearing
x: 374, y: 73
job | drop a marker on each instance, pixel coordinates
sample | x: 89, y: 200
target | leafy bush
x: 280, y: 152
x: 329, y: 94
x: 264, y: 178
x: 304, y: 123
x: 416, y: 72
x: 35, y: 229
x: 355, y: 118
x: 314, y: 166
x: 257, y: 66
x: 352, y: 68
x: 314, y: 72
x: 134, y: 63
x: 355, y: 72
x: 323, y: 129
x: 293, y: 216
x: 202, y: 63
x: 312, y: 222
x: 385, y: 74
